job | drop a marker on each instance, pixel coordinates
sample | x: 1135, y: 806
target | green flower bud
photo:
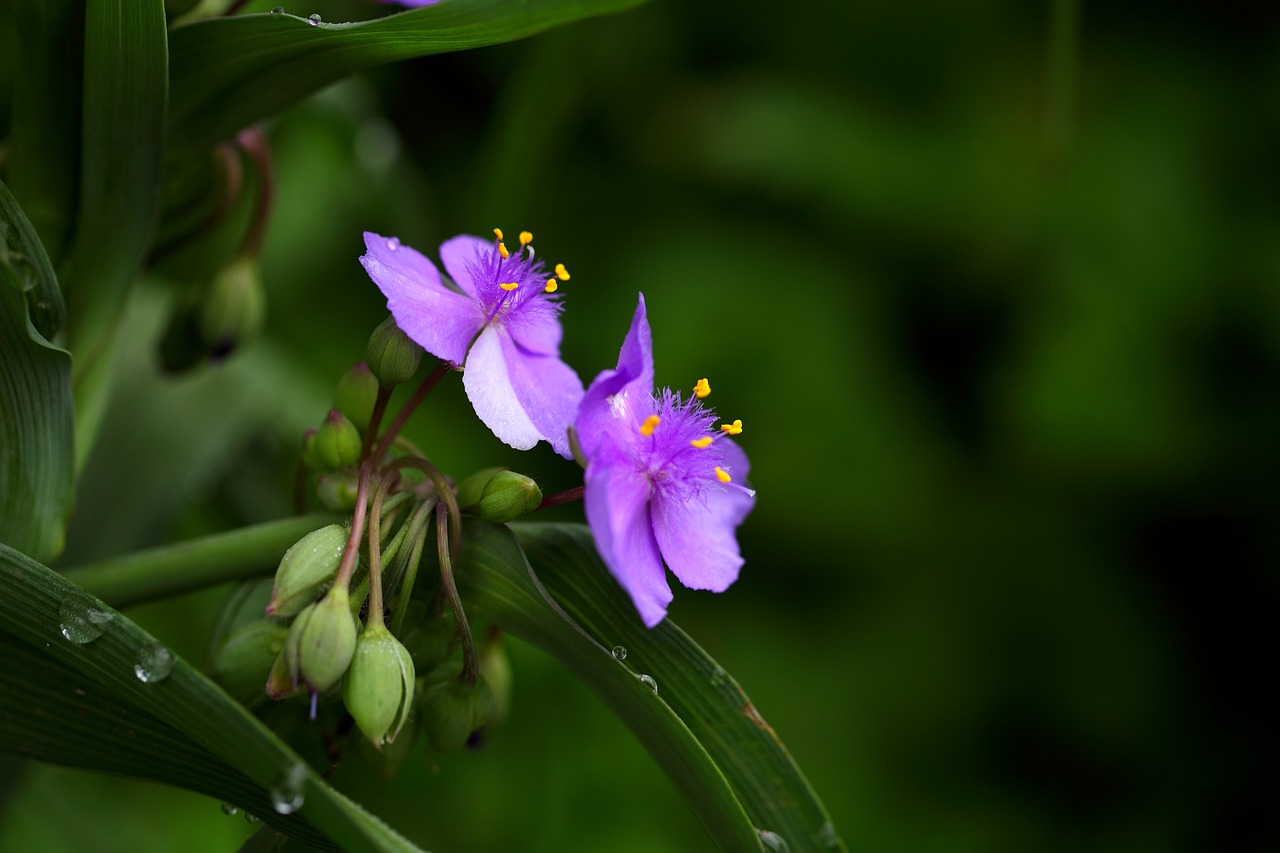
x: 392, y: 357
x: 356, y: 394
x: 321, y: 642
x: 307, y: 569
x: 337, y: 490
x: 471, y: 489
x: 452, y: 710
x: 378, y: 690
x: 310, y: 457
x: 507, y: 496
x: 337, y: 442
x: 280, y: 684
x: 233, y: 307
x: 245, y: 659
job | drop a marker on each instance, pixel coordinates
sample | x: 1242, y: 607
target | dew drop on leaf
x: 155, y: 662
x: 314, y: 18
x: 82, y: 620
x: 649, y: 681
x: 619, y: 652
x: 773, y: 841
x: 229, y: 810
x: 279, y: 10
x: 287, y: 796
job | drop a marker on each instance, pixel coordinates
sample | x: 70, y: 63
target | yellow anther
x: 551, y: 285
x: 702, y: 389
x: 731, y: 429
x: 649, y: 425
x: 497, y: 232
x: 700, y: 443
x: 509, y: 285
x: 526, y: 237
x: 561, y: 272
x: 502, y: 250
x: 723, y: 475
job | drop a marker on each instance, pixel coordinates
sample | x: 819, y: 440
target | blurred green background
x: 993, y: 287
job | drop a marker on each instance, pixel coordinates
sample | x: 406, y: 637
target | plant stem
x: 407, y: 409
x: 567, y: 496
x: 197, y: 563
x: 375, y: 555
x: 348, y: 565
x: 470, y: 661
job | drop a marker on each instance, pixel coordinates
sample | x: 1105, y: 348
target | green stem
x: 470, y: 661
x: 375, y: 555
x: 185, y: 566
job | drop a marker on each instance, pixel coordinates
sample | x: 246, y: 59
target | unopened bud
x: 321, y: 642
x: 245, y: 659
x: 356, y: 394
x: 233, y: 308
x: 452, y: 710
x: 307, y: 569
x: 338, y: 490
x: 378, y: 690
x: 337, y: 441
x: 310, y: 457
x: 471, y: 489
x: 507, y: 496
x: 392, y: 357
x: 280, y: 684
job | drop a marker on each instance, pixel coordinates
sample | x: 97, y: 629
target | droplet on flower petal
x: 393, y: 243
x: 155, y: 662
x: 619, y: 652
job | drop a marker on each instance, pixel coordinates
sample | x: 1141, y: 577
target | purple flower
x: 661, y: 482
x: 501, y: 323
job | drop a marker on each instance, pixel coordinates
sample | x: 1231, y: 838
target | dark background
x: 993, y: 287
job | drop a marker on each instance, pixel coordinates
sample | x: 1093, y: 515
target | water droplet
x: 773, y: 841
x: 648, y: 681
x: 279, y: 10
x: 287, y: 796
x: 155, y: 662
x: 229, y: 810
x: 313, y: 18
x: 82, y: 619
x: 251, y: 818
x: 393, y: 243
x: 619, y: 652
x: 719, y: 676
x: 827, y: 835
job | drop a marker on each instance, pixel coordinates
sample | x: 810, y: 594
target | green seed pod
x: 233, y: 307
x: 452, y: 710
x: 245, y: 660
x: 471, y: 489
x: 307, y: 569
x: 507, y: 496
x: 337, y: 490
x: 392, y: 357
x: 280, y: 684
x: 321, y: 642
x: 337, y: 442
x: 378, y: 690
x: 356, y: 394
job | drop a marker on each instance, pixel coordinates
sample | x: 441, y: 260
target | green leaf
x: 35, y: 393
x: 82, y: 704
x: 123, y: 127
x: 230, y: 72
x: 495, y: 577
x: 770, y: 785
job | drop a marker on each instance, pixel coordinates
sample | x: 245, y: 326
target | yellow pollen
x: 526, y: 237
x: 509, y: 285
x: 722, y: 475
x: 551, y: 285
x: 731, y: 429
x: 702, y: 389
x: 561, y: 272
x: 502, y: 250
x: 649, y: 425
x: 497, y: 232
x: 700, y: 443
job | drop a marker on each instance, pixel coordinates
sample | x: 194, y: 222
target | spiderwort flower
x: 502, y: 322
x: 662, y: 483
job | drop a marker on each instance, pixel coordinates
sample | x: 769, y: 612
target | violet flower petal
x: 458, y: 254
x: 547, y: 389
x: 489, y: 388
x: 617, y: 509
x: 440, y: 320
x: 620, y: 399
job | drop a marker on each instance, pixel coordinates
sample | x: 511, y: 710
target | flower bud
x: 280, y: 684
x: 233, y: 307
x: 471, y: 489
x: 507, y: 496
x: 337, y: 442
x: 310, y: 457
x: 378, y: 690
x: 245, y: 659
x: 307, y: 569
x: 338, y: 490
x: 356, y: 394
x: 321, y: 642
x: 452, y: 710
x: 392, y: 357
